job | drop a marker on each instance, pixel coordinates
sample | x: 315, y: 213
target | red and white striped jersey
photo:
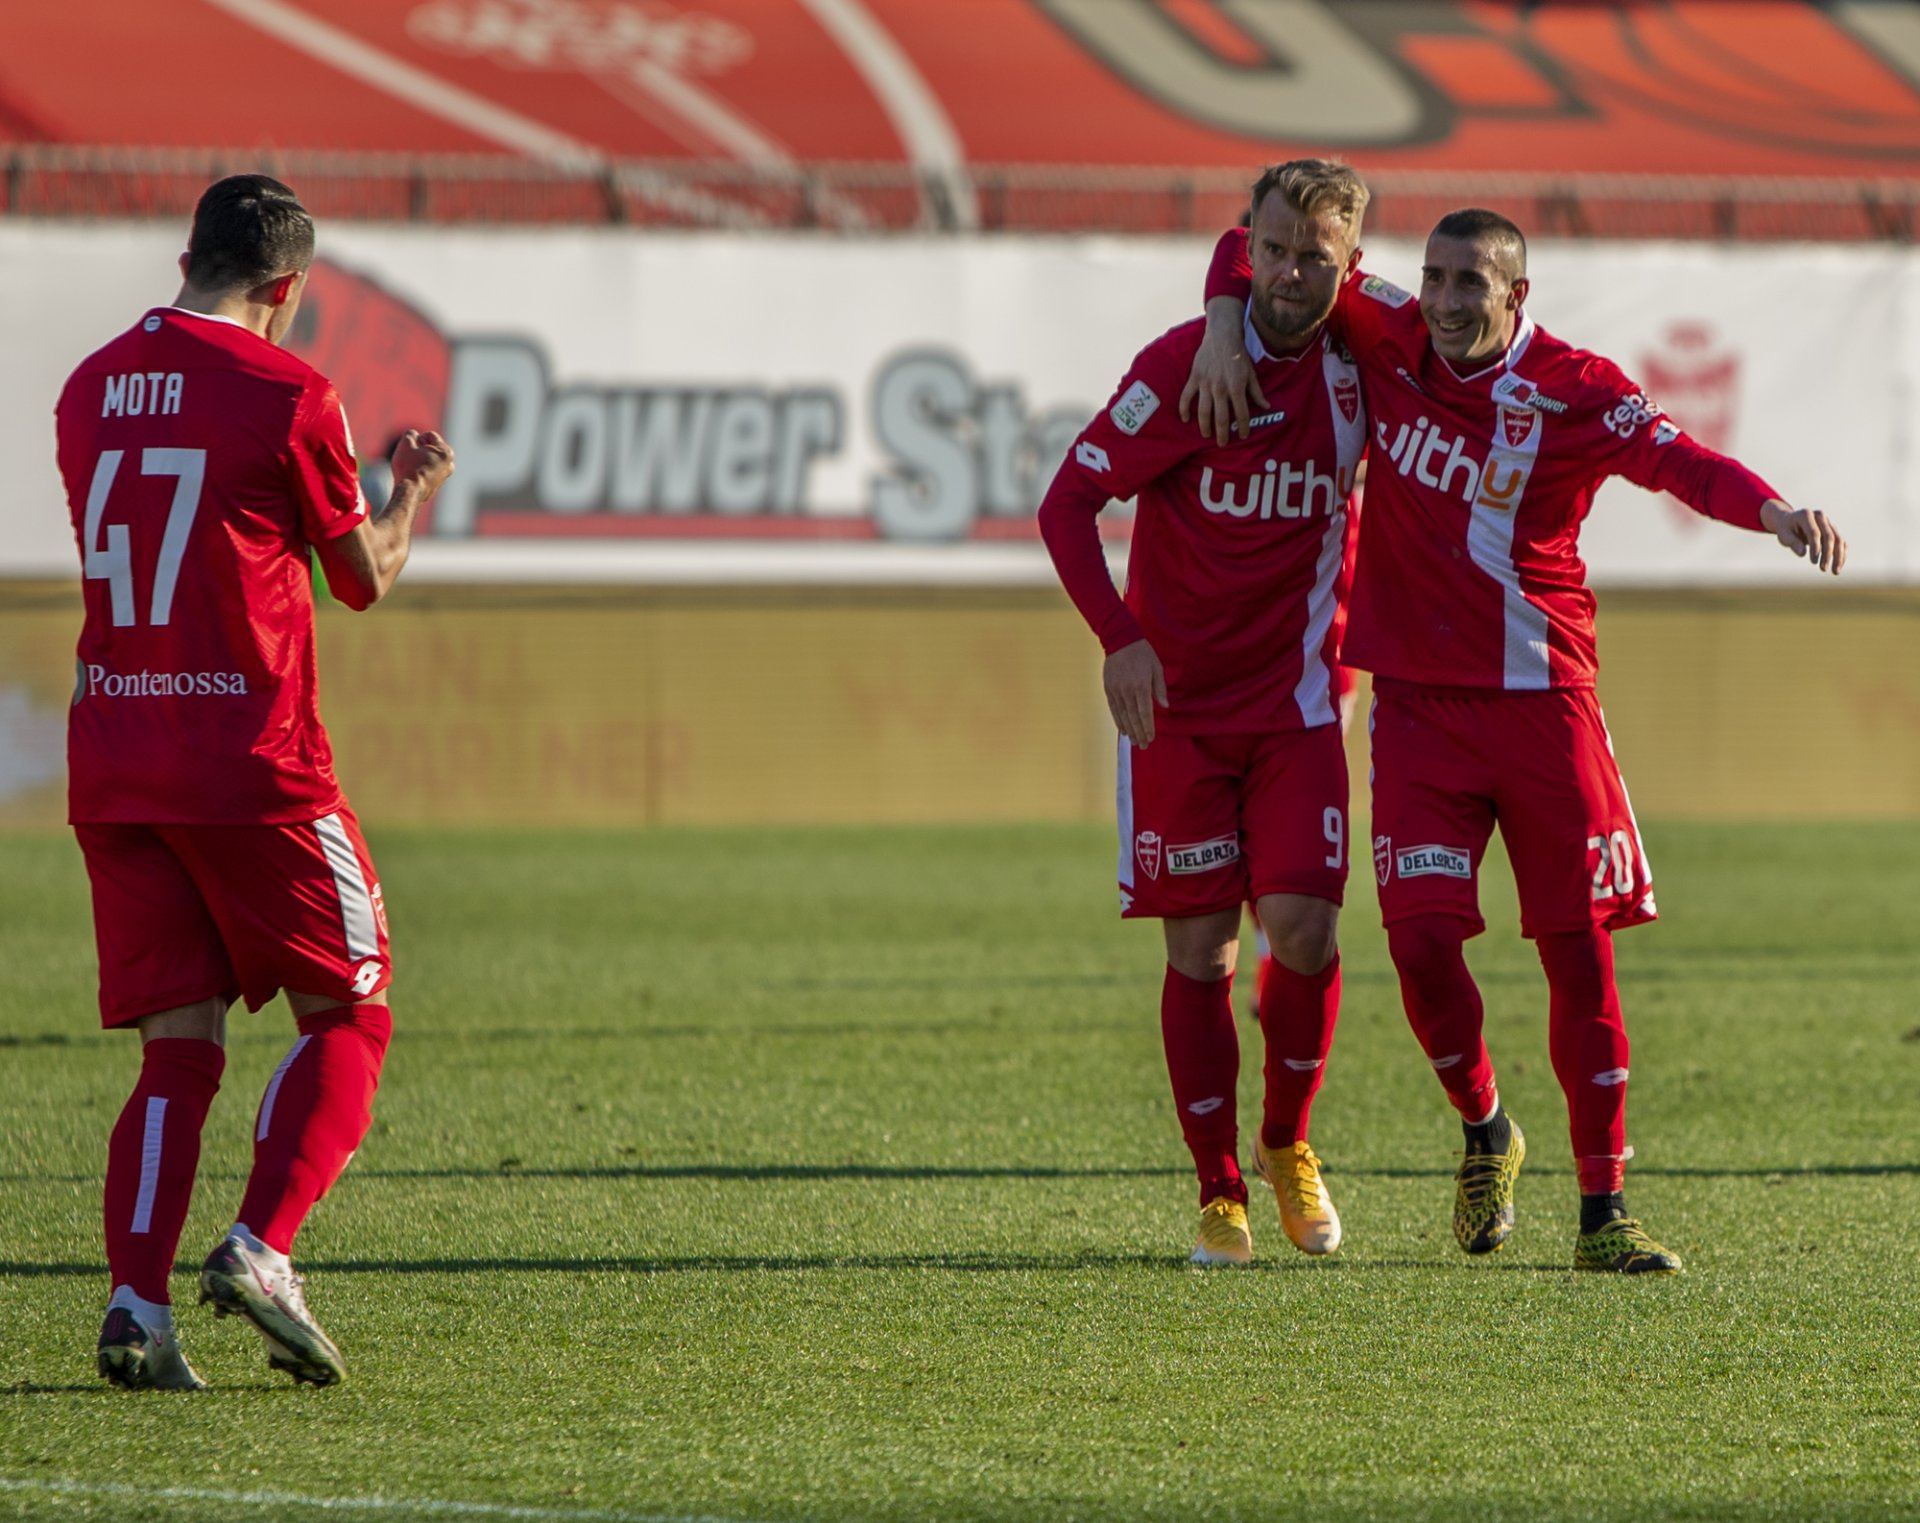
x: 200, y: 462
x: 1469, y: 572
x: 1238, y: 570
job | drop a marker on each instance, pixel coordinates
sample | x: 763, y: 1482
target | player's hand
x: 1808, y: 533
x: 422, y: 457
x: 1221, y: 390
x: 1135, y: 681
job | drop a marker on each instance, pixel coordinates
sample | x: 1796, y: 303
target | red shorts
x: 1448, y: 763
x: 1208, y: 822
x: 183, y: 913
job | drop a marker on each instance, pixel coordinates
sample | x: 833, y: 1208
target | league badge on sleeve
x: 1385, y: 291
x: 1131, y: 412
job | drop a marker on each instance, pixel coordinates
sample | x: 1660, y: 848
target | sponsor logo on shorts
x: 1092, y: 456
x: 1131, y: 412
x: 1434, y: 861
x: 366, y: 977
x: 1146, y: 848
x: 101, y: 683
x: 1383, y: 857
x: 1263, y: 419
x: 1203, y: 856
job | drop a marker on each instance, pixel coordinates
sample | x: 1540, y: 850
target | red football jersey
x: 1469, y: 572
x: 1237, y: 574
x: 200, y: 462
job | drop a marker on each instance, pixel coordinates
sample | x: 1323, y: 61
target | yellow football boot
x: 1225, y: 1237
x: 1306, y: 1209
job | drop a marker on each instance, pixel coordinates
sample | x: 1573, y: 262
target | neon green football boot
x: 1623, y: 1247
x: 1483, y: 1196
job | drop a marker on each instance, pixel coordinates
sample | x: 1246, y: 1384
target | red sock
x: 317, y: 1108
x: 1203, y: 1060
x: 1588, y: 1040
x: 1444, y: 1009
x: 1297, y: 1012
x: 152, y: 1157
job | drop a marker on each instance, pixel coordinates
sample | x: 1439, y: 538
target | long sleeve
x: 1069, y: 524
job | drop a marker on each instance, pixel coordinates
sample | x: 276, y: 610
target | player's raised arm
x: 362, y: 564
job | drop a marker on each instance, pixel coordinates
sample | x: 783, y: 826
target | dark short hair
x: 247, y: 229
x: 1475, y: 224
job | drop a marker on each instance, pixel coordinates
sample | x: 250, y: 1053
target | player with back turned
x: 1220, y: 674
x: 1470, y: 607
x: 202, y: 462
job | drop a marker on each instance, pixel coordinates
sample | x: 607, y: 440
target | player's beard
x: 1290, y: 322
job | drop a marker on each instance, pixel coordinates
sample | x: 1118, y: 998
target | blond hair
x: 1316, y: 187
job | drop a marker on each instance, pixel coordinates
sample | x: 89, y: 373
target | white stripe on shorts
x: 356, y: 899
x: 150, y: 1163
x: 1123, y: 808
x: 273, y: 1089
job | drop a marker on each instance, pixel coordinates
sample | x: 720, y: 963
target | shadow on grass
x: 775, y: 1173
x: 955, y: 1263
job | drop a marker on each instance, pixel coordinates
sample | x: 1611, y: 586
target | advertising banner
x: 813, y: 409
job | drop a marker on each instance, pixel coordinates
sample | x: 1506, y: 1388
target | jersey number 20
x: 111, y: 560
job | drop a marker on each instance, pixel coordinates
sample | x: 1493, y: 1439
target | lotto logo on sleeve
x: 1203, y: 856
x: 1434, y: 861
x: 1092, y: 456
x: 1131, y: 412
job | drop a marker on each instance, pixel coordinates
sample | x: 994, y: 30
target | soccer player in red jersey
x: 201, y: 462
x: 1470, y: 607
x: 1220, y: 674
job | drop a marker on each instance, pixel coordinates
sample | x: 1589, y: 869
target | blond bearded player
x: 1470, y: 607
x: 1220, y: 673
x: 201, y: 462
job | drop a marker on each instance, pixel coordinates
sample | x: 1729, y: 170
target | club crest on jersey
x: 1385, y: 291
x: 1146, y: 847
x: 1346, y: 392
x: 1203, y: 856
x: 1131, y: 412
x: 1517, y: 426
x: 1383, y: 858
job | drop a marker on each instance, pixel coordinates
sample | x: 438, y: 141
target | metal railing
x: 57, y: 180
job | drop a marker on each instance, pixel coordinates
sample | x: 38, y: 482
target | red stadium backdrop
x: 1689, y: 87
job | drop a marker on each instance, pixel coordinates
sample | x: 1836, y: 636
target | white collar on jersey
x: 1522, y: 336
x: 206, y: 317
x: 1257, y: 351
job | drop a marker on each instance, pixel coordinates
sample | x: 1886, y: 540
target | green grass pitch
x: 831, y: 1175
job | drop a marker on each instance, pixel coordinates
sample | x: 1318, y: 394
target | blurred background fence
x: 761, y: 325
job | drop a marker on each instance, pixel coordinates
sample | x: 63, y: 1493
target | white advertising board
x: 791, y: 408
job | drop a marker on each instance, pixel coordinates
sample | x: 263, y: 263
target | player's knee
x: 1203, y: 947
x: 1302, y: 933
x: 1578, y: 964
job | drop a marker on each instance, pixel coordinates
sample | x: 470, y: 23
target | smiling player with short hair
x: 1470, y: 607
